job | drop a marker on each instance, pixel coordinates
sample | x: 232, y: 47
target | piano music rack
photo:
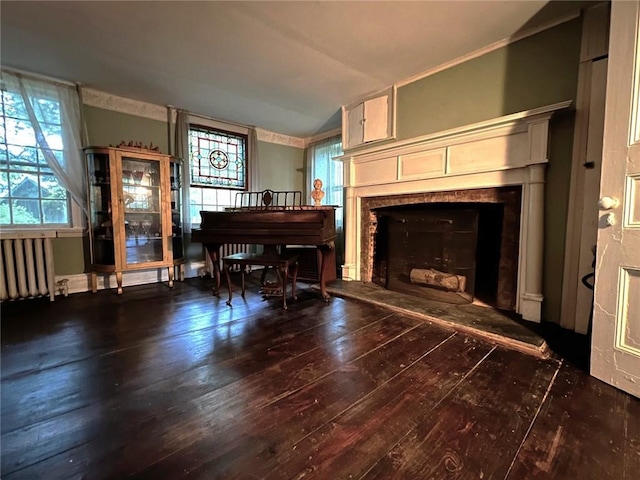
x: 268, y: 200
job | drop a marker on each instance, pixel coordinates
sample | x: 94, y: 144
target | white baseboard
x: 81, y: 282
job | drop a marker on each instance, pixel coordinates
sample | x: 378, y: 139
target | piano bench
x: 285, y: 267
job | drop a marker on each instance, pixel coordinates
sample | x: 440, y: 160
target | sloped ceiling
x: 286, y: 67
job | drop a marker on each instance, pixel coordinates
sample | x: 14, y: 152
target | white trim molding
x: 505, y: 151
x: 322, y: 136
x: 81, y: 282
x: 279, y: 138
x: 107, y: 101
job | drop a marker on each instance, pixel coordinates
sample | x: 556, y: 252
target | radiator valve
x: 63, y: 286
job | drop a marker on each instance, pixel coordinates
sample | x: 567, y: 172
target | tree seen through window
x: 30, y: 194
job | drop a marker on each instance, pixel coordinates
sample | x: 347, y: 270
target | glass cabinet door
x: 100, y: 208
x: 142, y: 205
x: 176, y: 208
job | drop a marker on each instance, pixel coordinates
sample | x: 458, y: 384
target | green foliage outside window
x: 30, y: 194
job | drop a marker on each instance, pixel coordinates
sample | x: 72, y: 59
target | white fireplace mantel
x: 509, y: 150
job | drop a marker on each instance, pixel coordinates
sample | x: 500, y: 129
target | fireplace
x: 455, y: 247
x: 494, y: 168
x: 427, y: 251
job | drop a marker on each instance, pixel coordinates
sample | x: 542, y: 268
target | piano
x: 271, y: 219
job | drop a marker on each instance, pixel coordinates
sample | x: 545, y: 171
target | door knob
x: 607, y: 203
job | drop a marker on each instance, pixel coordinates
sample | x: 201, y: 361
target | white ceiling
x: 286, y: 67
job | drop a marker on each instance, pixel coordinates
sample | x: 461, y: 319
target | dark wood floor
x: 161, y: 383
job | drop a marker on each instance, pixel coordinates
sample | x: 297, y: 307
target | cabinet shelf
x: 137, y: 186
x: 142, y: 211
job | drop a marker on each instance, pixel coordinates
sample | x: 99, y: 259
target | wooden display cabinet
x: 130, y: 211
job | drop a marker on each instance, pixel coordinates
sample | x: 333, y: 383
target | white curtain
x: 181, y: 150
x: 320, y: 164
x: 253, y: 162
x: 69, y: 167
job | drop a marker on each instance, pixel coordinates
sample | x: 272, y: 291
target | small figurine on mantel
x: 317, y: 194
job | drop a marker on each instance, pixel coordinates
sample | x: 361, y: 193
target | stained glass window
x: 218, y: 159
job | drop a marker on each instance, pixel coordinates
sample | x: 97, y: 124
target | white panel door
x: 615, y: 349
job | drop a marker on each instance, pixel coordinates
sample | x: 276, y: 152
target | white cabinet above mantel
x: 370, y: 119
x: 500, y: 144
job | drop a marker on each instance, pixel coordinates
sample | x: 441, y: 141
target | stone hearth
x: 481, y: 321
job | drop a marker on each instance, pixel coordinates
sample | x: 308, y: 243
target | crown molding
x: 107, y: 101
x: 322, y: 136
x: 279, y: 138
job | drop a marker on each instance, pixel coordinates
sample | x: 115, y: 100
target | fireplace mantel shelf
x: 506, y: 151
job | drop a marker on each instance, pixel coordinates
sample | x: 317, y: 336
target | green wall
x: 537, y: 71
x: 70, y: 255
x: 555, y: 211
x: 281, y: 167
x: 106, y: 127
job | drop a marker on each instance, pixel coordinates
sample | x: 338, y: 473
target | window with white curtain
x: 321, y: 165
x: 41, y: 166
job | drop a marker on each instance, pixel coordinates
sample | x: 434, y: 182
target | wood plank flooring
x: 161, y: 383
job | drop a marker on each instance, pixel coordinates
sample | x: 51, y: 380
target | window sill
x: 39, y: 232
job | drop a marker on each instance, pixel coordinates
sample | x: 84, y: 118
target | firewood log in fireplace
x: 433, y: 278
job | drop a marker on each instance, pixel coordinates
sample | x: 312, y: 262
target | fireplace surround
x: 486, y: 158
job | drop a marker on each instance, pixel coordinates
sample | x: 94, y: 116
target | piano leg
x: 214, y: 255
x: 227, y: 269
x: 284, y: 270
x: 293, y: 280
x: 325, y: 250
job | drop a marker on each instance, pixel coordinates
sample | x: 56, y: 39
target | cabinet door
x: 103, y: 251
x: 369, y: 120
x: 175, y: 180
x: 355, y: 125
x: 141, y: 223
x: 376, y: 119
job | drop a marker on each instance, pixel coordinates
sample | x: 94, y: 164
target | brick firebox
x: 509, y: 197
